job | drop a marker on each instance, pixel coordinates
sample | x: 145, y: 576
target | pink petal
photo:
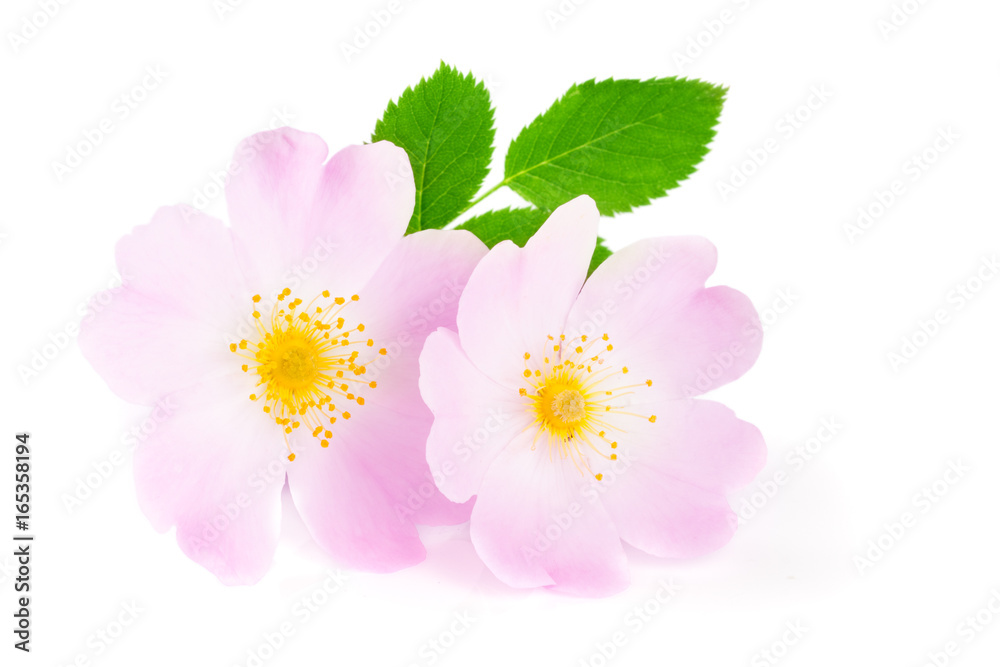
x: 322, y: 225
x: 214, y: 468
x: 695, y: 441
x: 650, y: 299
x: 667, y: 489
x: 183, y: 295
x: 714, y: 339
x: 666, y: 517
x: 347, y: 509
x: 534, y: 525
x: 474, y: 417
x: 518, y: 296
x: 415, y: 291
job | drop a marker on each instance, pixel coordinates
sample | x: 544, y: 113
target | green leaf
x: 622, y: 142
x: 519, y: 225
x: 445, y: 125
x: 515, y: 224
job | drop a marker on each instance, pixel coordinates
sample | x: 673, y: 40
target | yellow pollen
x: 295, y: 360
x: 578, y: 399
x: 569, y: 406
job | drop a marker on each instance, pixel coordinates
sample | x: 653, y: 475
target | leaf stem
x: 482, y: 197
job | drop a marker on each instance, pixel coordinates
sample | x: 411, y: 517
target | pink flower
x: 566, y: 408
x: 283, y: 346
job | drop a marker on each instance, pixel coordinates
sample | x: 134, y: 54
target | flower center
x: 573, y: 392
x: 306, y: 362
x: 568, y: 407
x: 294, y: 361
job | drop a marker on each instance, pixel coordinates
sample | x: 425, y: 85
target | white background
x: 844, y: 308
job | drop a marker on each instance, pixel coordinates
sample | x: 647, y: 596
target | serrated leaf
x: 623, y: 142
x: 519, y: 225
x: 515, y: 224
x: 445, y: 125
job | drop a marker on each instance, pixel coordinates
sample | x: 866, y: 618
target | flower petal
x: 345, y: 506
x: 415, y: 291
x: 533, y: 525
x: 214, y: 468
x: 182, y: 298
x: 518, y: 296
x: 474, y: 417
x: 651, y: 300
x: 667, y: 490
x: 696, y: 441
x: 669, y: 518
x: 322, y: 225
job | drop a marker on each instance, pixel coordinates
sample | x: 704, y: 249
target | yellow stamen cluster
x: 305, y: 357
x: 571, y: 392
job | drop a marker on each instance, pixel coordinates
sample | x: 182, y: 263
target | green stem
x: 480, y: 198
